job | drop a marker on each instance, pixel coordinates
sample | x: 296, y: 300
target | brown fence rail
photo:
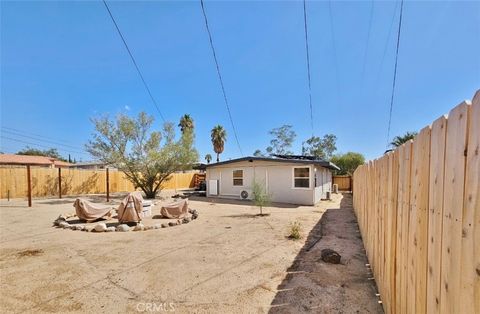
x: 418, y: 209
x: 344, y: 182
x: 45, y: 182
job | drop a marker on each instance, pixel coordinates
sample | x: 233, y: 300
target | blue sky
x: 63, y: 63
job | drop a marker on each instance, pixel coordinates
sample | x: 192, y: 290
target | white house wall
x: 276, y: 177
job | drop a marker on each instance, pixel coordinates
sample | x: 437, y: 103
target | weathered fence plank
x: 435, y: 196
x: 470, y: 256
x: 456, y: 145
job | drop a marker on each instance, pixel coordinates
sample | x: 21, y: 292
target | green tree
x: 260, y: 196
x: 186, y: 123
x: 187, y: 141
x: 258, y: 153
x: 146, y: 157
x: 321, y: 148
x: 401, y: 139
x: 52, y: 152
x: 219, y: 137
x: 208, y: 158
x: 348, y: 162
x: 283, y: 138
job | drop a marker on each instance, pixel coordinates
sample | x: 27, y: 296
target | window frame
x: 237, y: 178
x: 309, y: 178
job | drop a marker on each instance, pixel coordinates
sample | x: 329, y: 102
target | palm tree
x: 186, y: 123
x: 208, y: 158
x: 401, y: 139
x: 219, y: 137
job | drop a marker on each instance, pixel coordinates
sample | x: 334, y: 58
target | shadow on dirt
x: 311, y: 285
x: 228, y: 201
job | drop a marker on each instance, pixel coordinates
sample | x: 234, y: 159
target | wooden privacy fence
x: 45, y: 181
x: 344, y: 182
x: 418, y: 209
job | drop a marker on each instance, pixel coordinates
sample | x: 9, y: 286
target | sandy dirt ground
x: 227, y: 261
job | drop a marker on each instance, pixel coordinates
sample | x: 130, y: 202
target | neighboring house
x: 23, y: 160
x: 91, y: 165
x: 287, y: 180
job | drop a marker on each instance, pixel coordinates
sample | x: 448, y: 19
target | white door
x: 261, y: 177
x: 213, y: 187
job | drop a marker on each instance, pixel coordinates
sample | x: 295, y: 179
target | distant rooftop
x: 89, y: 163
x: 11, y: 159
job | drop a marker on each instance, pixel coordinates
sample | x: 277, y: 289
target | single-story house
x: 23, y: 160
x: 301, y: 181
x: 91, y: 165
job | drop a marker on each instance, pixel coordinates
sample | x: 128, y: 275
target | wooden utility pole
x: 29, y: 187
x: 108, y: 186
x: 59, y: 182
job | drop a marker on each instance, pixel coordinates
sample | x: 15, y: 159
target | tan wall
x: 279, y: 181
x: 343, y: 182
x: 418, y: 209
x: 13, y: 181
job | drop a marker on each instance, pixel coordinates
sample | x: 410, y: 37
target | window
x: 301, y: 177
x: 237, y: 177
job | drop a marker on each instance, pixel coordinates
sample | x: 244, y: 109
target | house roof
x: 322, y: 163
x: 89, y: 163
x: 11, y: 159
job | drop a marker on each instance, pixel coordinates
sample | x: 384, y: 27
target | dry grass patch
x: 295, y: 230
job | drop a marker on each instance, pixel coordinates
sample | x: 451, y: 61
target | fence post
x: 29, y: 187
x: 59, y: 182
x: 108, y: 185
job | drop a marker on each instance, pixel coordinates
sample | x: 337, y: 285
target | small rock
x: 64, y: 225
x: 165, y: 225
x: 186, y: 220
x: 123, y: 228
x: 139, y: 227
x: 171, y: 223
x: 331, y: 256
x: 179, y: 222
x: 194, y: 216
x: 110, y: 229
x: 148, y: 228
x: 100, y: 227
x: 89, y: 229
x: 79, y: 227
x: 157, y: 226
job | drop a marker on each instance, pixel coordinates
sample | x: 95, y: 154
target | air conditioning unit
x: 244, y: 195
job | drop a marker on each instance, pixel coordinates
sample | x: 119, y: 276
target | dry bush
x: 295, y: 230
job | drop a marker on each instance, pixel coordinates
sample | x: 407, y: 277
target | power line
x: 395, y: 72
x: 38, y: 138
x: 368, y: 41
x: 220, y: 76
x: 39, y: 145
x: 386, y: 44
x: 134, y: 62
x: 308, y: 63
x: 332, y: 36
